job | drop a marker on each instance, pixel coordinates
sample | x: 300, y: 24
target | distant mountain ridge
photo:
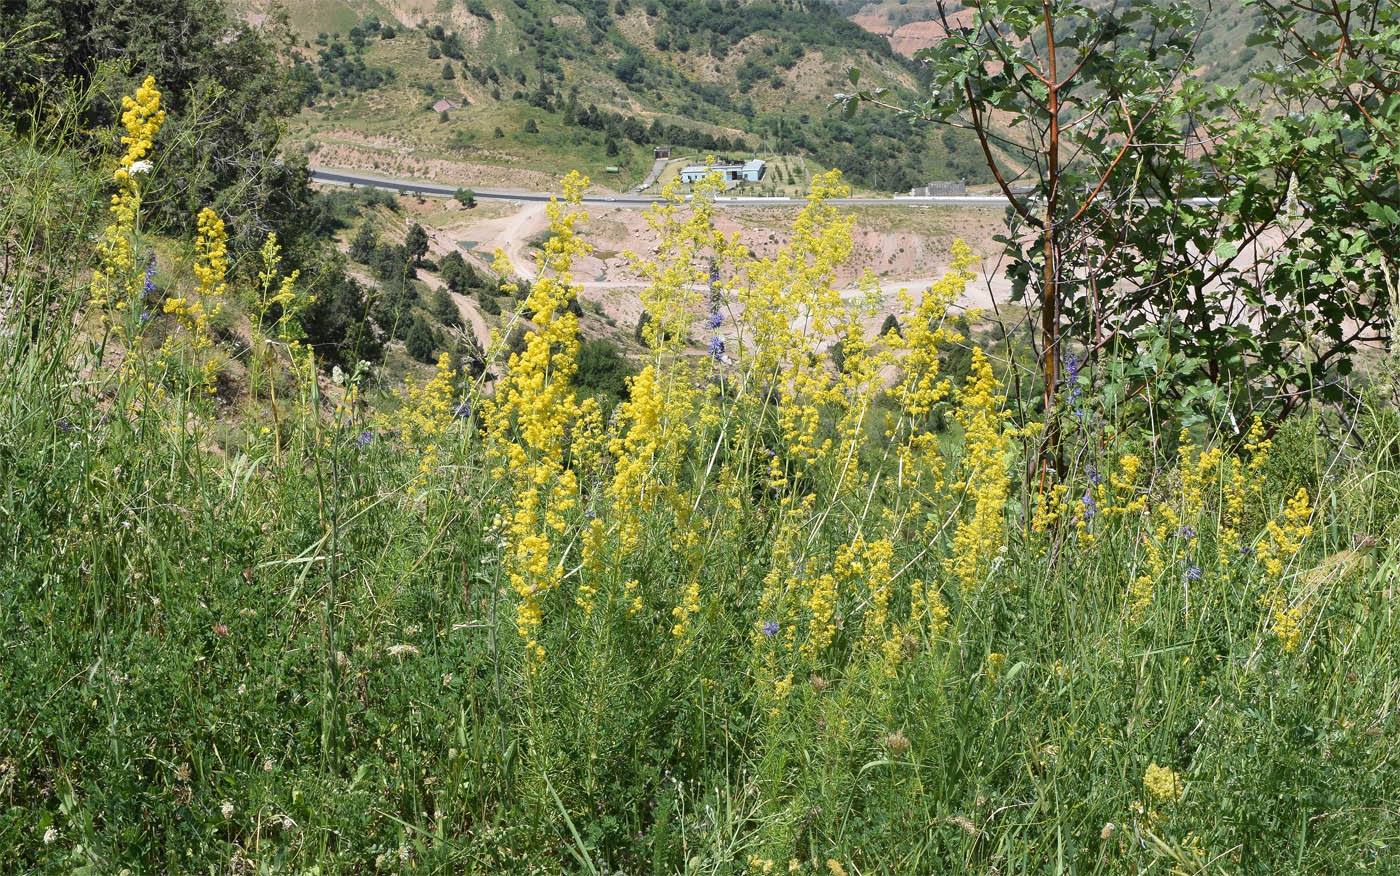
x: 1223, y: 55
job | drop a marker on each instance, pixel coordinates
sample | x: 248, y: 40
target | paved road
x: 657, y: 167
x: 345, y: 178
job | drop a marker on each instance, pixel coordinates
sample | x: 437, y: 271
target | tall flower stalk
x: 116, y: 282
x: 528, y: 418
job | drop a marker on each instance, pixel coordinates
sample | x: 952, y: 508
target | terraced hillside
x: 526, y: 88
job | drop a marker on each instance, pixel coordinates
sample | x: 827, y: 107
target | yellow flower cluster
x: 689, y: 247
x: 1051, y: 509
x: 284, y: 299
x: 1198, y: 475
x: 528, y: 420
x: 821, y: 242
x: 1278, y: 545
x: 635, y: 452
x: 789, y: 298
x: 1125, y: 498
x: 1209, y: 494
x: 927, y: 611
x: 1162, y: 783
x: 870, y: 564
x: 925, y: 333
x: 115, y: 281
x: 281, y: 295
x: 1236, y: 488
x: 142, y: 118
x: 423, y: 417
x: 210, y: 270
x: 687, y: 607
x: 821, y: 609
x: 1286, y: 620
x: 980, y: 537
x: 1282, y: 540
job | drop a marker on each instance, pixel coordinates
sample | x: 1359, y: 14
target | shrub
x: 445, y: 309
x: 421, y: 341
x: 602, y: 369
x: 365, y: 244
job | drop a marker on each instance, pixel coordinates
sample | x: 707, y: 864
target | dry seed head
x: 897, y: 743
x: 963, y: 822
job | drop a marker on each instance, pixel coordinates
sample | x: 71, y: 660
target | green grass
x: 245, y: 646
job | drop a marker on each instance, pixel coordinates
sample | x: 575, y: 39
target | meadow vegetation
x: 756, y: 614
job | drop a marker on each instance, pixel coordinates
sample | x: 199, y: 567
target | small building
x: 444, y: 104
x: 659, y: 152
x: 935, y: 189
x: 731, y: 171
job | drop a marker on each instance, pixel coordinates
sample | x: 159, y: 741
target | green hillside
x: 546, y: 85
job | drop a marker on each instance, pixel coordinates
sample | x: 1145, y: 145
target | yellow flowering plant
x: 527, y: 419
x: 116, y: 282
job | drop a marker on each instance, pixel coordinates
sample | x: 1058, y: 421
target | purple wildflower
x: 716, y: 347
x: 462, y: 411
x: 770, y: 628
x: 715, y: 321
x: 148, y: 287
x: 365, y: 437
x: 145, y: 316
x: 1090, y: 506
x: 1072, y: 363
x: 1193, y: 573
x: 1071, y: 379
x: 1186, y: 533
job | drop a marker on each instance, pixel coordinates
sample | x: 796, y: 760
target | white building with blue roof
x: 731, y: 171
